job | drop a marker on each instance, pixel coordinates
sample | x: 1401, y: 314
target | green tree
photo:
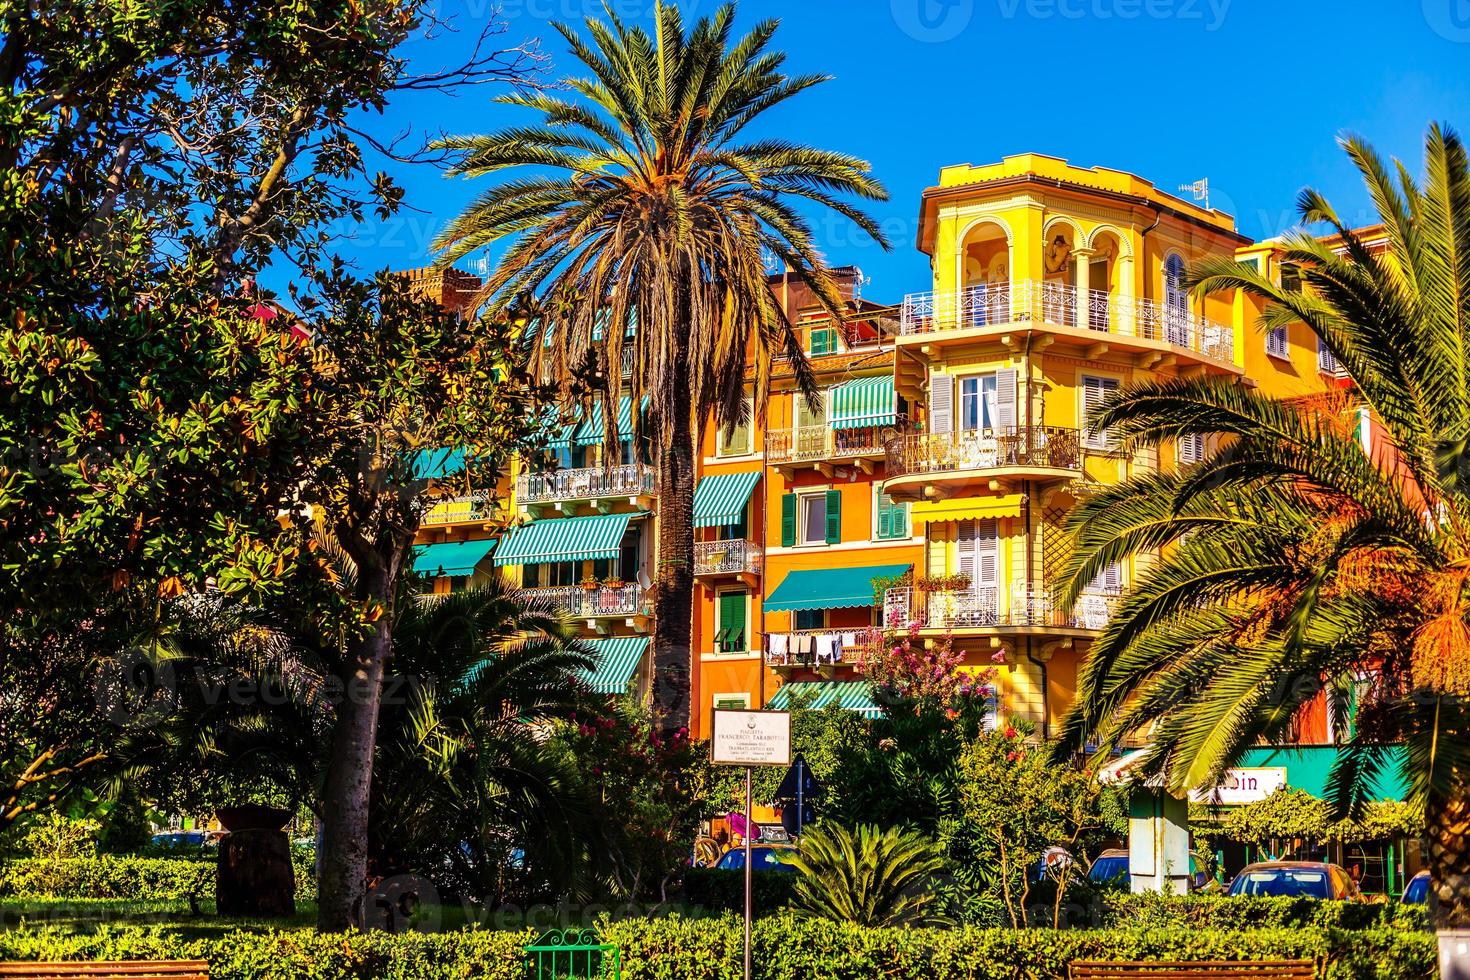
x: 866, y: 876
x: 1291, y: 561
x: 647, y: 208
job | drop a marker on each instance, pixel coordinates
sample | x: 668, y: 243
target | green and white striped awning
x: 863, y: 403
x: 617, y: 663
x: 590, y: 432
x: 720, y: 499
x: 451, y: 557
x: 564, y: 539
x: 852, y: 695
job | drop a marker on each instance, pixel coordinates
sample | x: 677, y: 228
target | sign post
x: 750, y: 739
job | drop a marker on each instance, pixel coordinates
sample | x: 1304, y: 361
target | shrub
x: 1224, y: 912
x: 109, y: 876
x: 866, y: 876
x: 785, y: 948
x: 719, y: 890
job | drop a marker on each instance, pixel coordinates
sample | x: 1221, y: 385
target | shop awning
x: 617, y: 661
x: 451, y: 557
x: 852, y: 695
x: 437, y: 464
x: 863, y: 403
x: 720, y: 499
x: 966, y: 509
x: 829, y: 588
x: 564, y: 539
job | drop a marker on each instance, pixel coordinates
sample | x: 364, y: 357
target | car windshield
x: 764, y: 859
x: 1109, y: 868
x: 1418, y: 890
x: 1311, y: 882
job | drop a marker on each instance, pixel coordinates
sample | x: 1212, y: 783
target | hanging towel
x: 827, y: 648
x: 802, y: 645
x: 778, y: 643
x: 849, y: 640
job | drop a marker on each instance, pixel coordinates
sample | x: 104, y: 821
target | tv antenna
x: 1200, y: 190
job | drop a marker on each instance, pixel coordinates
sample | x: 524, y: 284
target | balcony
x: 592, y: 483
x: 1094, y: 320
x: 819, y: 446
x: 474, y: 508
x: 821, y: 649
x: 936, y: 464
x: 628, y: 601
x: 981, y: 610
x: 738, y: 557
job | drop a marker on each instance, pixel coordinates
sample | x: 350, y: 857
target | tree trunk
x: 1447, y: 825
x: 673, y: 610
x: 343, y: 877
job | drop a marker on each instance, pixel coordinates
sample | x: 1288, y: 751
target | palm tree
x: 645, y: 210
x: 1288, y: 560
x: 866, y: 876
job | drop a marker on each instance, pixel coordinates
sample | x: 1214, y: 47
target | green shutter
x: 834, y: 516
x: 732, y: 621
x: 885, y: 518
x: 823, y: 340
x: 788, y: 520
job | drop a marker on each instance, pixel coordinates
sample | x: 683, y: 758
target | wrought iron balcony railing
x: 464, y: 509
x: 814, y: 443
x: 981, y: 608
x: 581, y: 602
x: 589, y: 483
x: 1039, y: 446
x: 998, y: 304
x: 733, y: 556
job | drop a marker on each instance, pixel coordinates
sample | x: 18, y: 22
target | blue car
x: 1292, y: 879
x: 1416, y: 892
x: 762, y: 859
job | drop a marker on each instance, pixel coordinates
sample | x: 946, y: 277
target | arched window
x: 1176, y: 302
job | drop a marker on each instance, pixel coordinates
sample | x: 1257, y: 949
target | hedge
x: 1236, y: 913
x: 109, y: 876
x: 786, y: 948
x: 719, y: 890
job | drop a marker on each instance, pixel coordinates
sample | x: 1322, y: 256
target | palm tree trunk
x: 345, y: 797
x: 1447, y: 825
x: 673, y: 610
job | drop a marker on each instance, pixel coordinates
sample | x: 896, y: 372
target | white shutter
x: 1005, y: 400
x: 1109, y: 581
x: 1189, y: 448
x: 941, y: 403
x: 966, y: 551
x: 986, y: 555
x: 1094, y: 392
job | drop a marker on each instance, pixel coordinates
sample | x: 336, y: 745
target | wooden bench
x: 125, y: 970
x: 1191, y: 969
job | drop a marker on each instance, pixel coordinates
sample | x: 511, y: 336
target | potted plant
x: 612, y: 582
x: 590, y: 583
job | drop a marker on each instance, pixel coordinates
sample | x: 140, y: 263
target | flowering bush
x: 912, y: 674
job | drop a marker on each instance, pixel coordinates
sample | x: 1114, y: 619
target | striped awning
x: 617, y: 663
x: 863, y: 403
x: 829, y: 588
x: 451, y: 557
x: 438, y: 464
x: 590, y: 432
x: 720, y: 499
x: 564, y: 539
x: 852, y: 695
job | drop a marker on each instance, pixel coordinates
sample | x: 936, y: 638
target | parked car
x: 762, y: 857
x: 1312, y: 879
x: 1111, y: 868
x: 186, y: 838
x: 1416, y: 892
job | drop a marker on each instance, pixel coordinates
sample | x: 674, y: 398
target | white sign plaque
x: 1243, y: 786
x: 750, y: 738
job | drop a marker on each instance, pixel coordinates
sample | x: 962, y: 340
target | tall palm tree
x: 646, y: 210
x: 1288, y: 560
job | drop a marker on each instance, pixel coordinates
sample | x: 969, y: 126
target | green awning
x: 852, y: 695
x: 437, y: 464
x: 451, y: 557
x: 863, y: 403
x: 617, y: 661
x: 590, y: 433
x: 564, y: 539
x: 829, y: 588
x: 720, y: 499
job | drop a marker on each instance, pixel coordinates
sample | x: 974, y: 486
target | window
x: 1176, y: 302
x: 732, y: 702
x: 891, y: 519
x: 731, y: 620
x: 628, y: 558
x: 1254, y: 261
x: 1094, y: 392
x: 737, y: 443
x: 809, y: 619
x: 811, y: 517
x: 805, y: 417
x: 1189, y: 448
x: 1276, y: 344
x: 1326, y: 363
x: 823, y: 341
x: 1291, y: 278
x: 977, y: 403
x: 458, y: 583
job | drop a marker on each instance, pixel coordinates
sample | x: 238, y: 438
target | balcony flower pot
x: 590, y: 585
x: 613, y: 583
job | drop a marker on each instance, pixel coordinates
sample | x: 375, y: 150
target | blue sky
x: 1250, y: 94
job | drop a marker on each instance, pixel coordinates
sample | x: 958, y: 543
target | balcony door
x: 987, y: 417
x: 977, y: 556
